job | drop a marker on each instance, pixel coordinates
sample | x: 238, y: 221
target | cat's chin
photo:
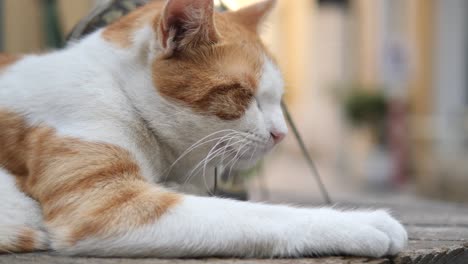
x: 248, y: 162
x: 248, y: 158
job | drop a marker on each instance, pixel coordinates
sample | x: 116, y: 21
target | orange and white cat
x: 90, y: 134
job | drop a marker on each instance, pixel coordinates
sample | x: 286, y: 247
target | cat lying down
x: 91, y: 134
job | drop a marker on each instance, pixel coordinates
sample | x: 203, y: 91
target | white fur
x: 17, y: 212
x: 95, y: 91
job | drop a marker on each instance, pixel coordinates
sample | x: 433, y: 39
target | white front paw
x: 355, y: 233
x: 364, y: 241
x: 384, y: 222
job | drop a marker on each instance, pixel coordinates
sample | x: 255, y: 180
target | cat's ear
x: 254, y: 15
x: 185, y: 24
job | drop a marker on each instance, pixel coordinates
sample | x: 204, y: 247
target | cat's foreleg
x: 197, y: 226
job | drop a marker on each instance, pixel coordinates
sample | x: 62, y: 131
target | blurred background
x: 378, y: 88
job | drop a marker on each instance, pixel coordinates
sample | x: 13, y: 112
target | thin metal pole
x: 215, y: 187
x: 306, y: 154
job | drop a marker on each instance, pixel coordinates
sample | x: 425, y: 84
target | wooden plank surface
x: 438, y: 234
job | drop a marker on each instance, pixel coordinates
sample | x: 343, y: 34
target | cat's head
x: 219, y: 79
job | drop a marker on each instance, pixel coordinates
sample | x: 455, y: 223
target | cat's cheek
x: 251, y: 119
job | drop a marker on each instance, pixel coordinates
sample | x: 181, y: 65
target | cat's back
x: 57, y: 85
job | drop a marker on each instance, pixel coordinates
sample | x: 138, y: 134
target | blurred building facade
x: 413, y: 50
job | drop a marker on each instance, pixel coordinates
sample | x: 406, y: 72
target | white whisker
x: 211, y: 155
x: 194, y: 146
x: 236, y: 160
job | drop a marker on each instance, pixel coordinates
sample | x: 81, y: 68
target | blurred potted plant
x: 366, y: 107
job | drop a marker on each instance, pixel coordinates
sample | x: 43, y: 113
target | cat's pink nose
x: 278, y: 136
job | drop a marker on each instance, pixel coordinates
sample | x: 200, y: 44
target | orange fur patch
x: 27, y: 240
x: 7, y: 60
x: 99, y: 182
x: 13, y: 141
x: 111, y: 214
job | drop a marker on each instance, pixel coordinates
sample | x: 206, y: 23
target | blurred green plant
x: 365, y: 107
x: 52, y: 27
